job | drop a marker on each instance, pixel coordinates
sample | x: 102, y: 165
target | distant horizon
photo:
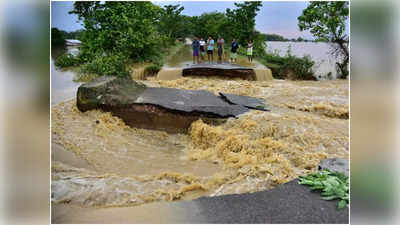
x: 273, y: 18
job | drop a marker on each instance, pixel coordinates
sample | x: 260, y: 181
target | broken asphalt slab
x: 246, y: 101
x: 287, y: 203
x: 168, y: 109
x: 224, y: 69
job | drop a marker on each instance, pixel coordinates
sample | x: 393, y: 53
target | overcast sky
x: 273, y: 17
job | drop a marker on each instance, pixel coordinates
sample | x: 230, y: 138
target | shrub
x: 67, y: 60
x: 302, y: 67
x: 289, y: 66
x: 152, y: 70
x: 157, y: 59
x: 115, y: 65
x: 57, y: 37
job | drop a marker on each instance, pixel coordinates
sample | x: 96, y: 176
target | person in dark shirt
x: 196, y: 49
x: 234, y: 48
x: 220, y: 45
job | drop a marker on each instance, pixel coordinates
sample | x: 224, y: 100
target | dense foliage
x: 57, y: 37
x: 333, y: 185
x: 67, y: 60
x: 283, y: 66
x: 115, y: 64
x: 171, y: 22
x: 242, y: 21
x: 77, y: 35
x: 212, y: 24
x: 122, y: 28
x: 152, y: 70
x: 327, y: 21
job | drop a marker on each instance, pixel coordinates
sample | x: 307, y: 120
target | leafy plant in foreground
x: 152, y: 70
x: 67, y: 60
x: 333, y: 185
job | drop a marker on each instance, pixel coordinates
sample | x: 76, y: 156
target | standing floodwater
x: 63, y: 86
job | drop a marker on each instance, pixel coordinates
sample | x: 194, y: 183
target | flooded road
x: 98, y: 161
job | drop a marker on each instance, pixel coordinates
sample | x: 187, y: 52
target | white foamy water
x: 320, y: 52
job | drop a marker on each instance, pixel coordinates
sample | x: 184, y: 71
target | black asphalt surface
x: 290, y: 203
x: 190, y: 101
x: 287, y: 203
x: 246, y: 101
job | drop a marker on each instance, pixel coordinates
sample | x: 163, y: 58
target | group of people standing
x: 199, y: 48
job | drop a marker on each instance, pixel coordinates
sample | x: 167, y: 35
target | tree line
x: 58, y: 36
x: 277, y: 37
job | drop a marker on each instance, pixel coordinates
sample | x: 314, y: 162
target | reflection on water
x: 319, y: 52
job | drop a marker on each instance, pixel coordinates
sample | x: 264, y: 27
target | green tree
x: 57, y: 37
x: 116, y: 32
x: 241, y: 24
x: 242, y: 20
x: 74, y: 34
x: 188, y: 27
x: 171, y: 22
x: 211, y: 24
x: 327, y: 21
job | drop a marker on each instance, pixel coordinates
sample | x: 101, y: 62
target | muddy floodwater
x: 98, y: 161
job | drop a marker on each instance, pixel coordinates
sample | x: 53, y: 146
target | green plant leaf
x: 342, y: 204
x: 332, y: 185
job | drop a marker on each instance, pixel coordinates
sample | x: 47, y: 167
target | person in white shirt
x: 202, y: 49
x: 250, y: 50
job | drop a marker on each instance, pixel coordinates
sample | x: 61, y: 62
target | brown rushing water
x: 99, y: 161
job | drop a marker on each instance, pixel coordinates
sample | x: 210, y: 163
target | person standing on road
x: 250, y: 50
x: 196, y: 49
x: 220, y: 45
x: 210, y: 49
x: 202, y: 49
x: 234, y: 48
